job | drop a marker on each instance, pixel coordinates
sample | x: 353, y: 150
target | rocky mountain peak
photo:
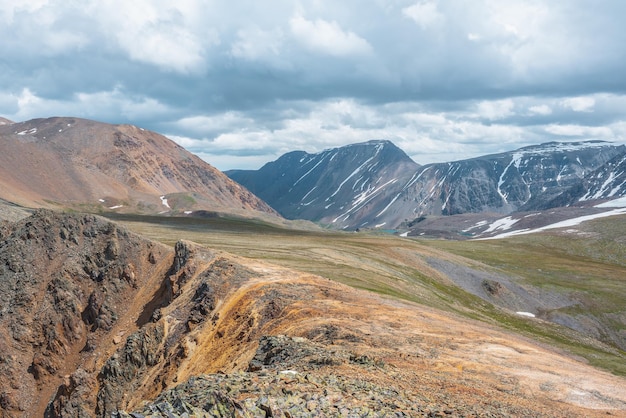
x: 375, y: 185
x: 336, y: 186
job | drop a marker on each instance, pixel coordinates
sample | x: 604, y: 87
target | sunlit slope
x: 474, y: 279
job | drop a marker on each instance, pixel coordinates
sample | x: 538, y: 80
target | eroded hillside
x: 96, y: 319
x: 79, y: 163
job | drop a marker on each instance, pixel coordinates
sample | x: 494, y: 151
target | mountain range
x: 376, y: 185
x: 259, y: 319
x: 88, y: 165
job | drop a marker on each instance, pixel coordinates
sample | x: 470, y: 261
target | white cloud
x: 202, y: 125
x: 543, y: 109
x: 63, y: 40
x: 495, y: 109
x: 328, y: 37
x: 442, y: 79
x: 99, y: 105
x: 12, y: 7
x: 254, y: 43
x: 603, y: 132
x: 425, y: 14
x: 159, y: 33
x: 579, y: 104
x: 268, y: 48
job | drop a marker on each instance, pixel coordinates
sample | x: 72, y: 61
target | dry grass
x: 397, y: 267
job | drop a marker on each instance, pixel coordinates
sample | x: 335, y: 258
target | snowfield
x: 615, y: 203
x: 562, y: 224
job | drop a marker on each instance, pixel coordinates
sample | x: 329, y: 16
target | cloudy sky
x: 241, y: 82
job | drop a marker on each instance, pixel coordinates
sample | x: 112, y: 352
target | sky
x: 241, y: 82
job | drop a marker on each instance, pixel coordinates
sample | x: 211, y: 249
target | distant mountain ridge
x: 72, y: 162
x: 334, y: 185
x: 375, y: 184
x: 606, y: 183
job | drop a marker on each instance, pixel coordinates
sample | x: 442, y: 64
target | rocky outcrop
x: 606, y: 183
x: 124, y: 371
x: 96, y: 321
x: 66, y: 283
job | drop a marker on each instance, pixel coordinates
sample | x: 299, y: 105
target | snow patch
x: 477, y: 225
x: 289, y: 372
x: 532, y: 214
x: 28, y: 132
x: 515, y: 160
x: 116, y: 207
x: 528, y: 314
x: 309, y: 172
x: 164, y: 202
x: 101, y: 200
x: 405, y: 234
x: 380, y: 225
x: 563, y: 224
x: 306, y: 195
x: 615, y: 203
x: 501, y: 224
x: 188, y: 212
x: 390, y: 203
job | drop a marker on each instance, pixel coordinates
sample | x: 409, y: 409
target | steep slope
x: 604, y: 184
x: 502, y: 183
x: 509, y: 181
x: 96, y: 319
x: 67, y: 286
x: 345, y: 186
x: 74, y: 162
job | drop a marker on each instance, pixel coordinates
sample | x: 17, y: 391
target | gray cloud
x: 240, y: 83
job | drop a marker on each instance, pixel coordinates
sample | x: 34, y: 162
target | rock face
x: 65, y: 283
x: 96, y: 321
x: 77, y: 163
x: 377, y: 185
x: 606, y: 183
x: 345, y: 186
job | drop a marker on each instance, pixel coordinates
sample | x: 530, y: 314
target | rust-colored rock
x: 72, y: 162
x: 257, y: 337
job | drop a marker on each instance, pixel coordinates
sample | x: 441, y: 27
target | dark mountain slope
x: 377, y: 185
x: 606, y: 183
x: 344, y: 186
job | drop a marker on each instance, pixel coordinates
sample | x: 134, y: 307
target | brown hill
x: 95, y: 319
x: 81, y: 163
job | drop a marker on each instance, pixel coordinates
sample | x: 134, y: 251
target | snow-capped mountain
x: 503, y: 183
x: 377, y: 185
x: 344, y: 187
x: 606, y: 183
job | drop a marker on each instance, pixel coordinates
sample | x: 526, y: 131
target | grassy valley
x: 576, y: 277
